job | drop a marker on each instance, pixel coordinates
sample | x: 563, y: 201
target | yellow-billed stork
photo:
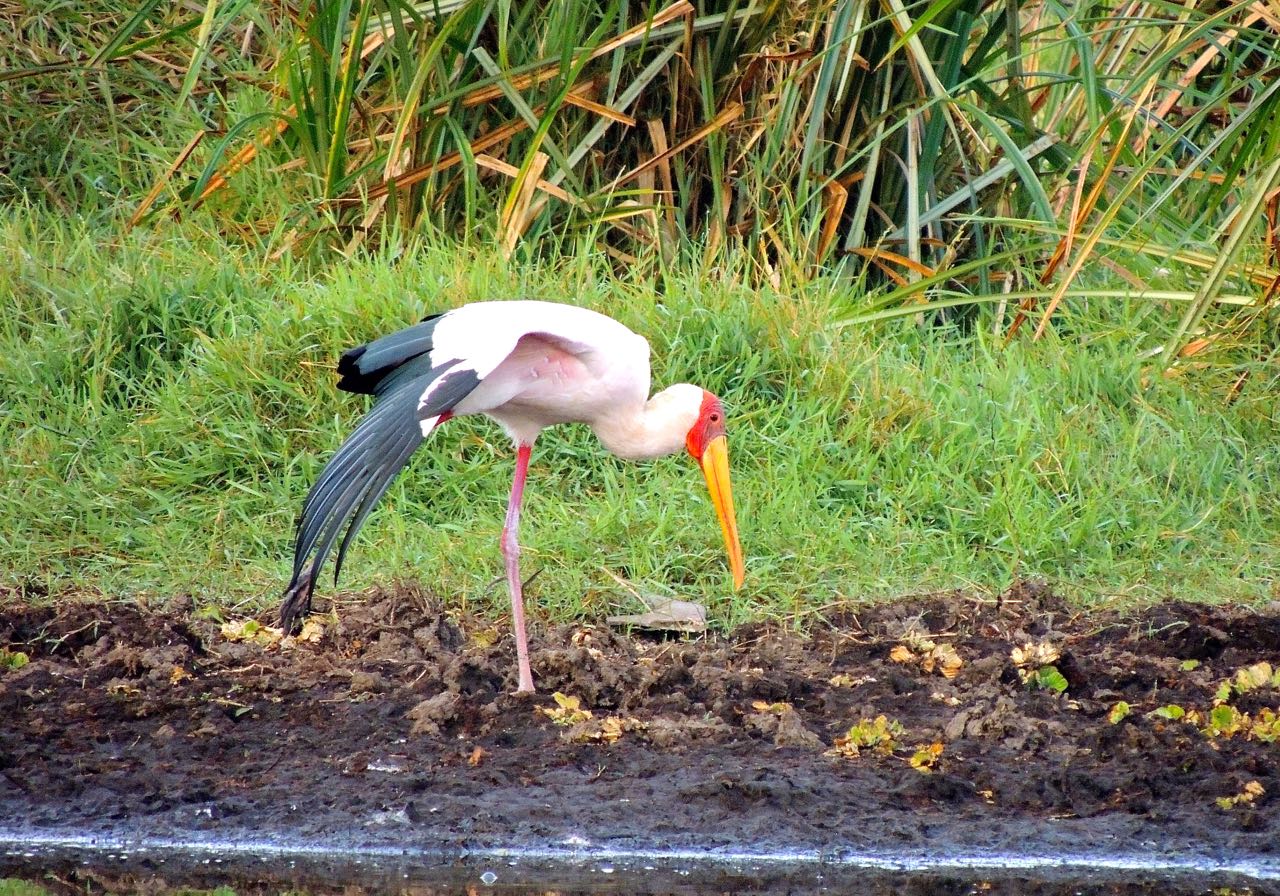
x: 528, y: 365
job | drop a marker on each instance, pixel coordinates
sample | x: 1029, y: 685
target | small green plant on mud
x: 1047, y: 678
x: 1246, y: 796
x: 1034, y: 663
x: 1250, y: 678
x: 928, y: 655
x: 879, y: 733
x: 567, y: 711
x: 925, y: 758
x: 1225, y: 720
x: 1221, y: 719
x: 12, y: 660
x: 883, y: 735
x: 252, y: 631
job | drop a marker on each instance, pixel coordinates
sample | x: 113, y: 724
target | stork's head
x: 681, y: 416
x: 707, y: 443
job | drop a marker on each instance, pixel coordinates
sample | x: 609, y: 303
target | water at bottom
x: 498, y: 873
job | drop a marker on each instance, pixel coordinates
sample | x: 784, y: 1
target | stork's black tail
x: 366, y: 368
x: 410, y: 393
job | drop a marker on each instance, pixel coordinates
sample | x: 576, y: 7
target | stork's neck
x: 653, y: 429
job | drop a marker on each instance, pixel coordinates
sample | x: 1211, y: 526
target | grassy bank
x: 169, y: 399
x: 989, y: 289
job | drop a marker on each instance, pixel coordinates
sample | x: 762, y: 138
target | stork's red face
x: 709, y: 446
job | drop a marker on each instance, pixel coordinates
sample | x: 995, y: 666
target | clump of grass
x: 97, y: 98
x: 170, y: 399
x: 967, y: 160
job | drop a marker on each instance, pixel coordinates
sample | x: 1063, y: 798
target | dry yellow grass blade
x: 837, y: 197
x: 575, y: 98
x: 394, y: 167
x: 926, y: 75
x: 728, y: 114
x: 158, y: 187
x: 1091, y: 241
x: 515, y: 218
x: 879, y: 256
x: 631, y: 209
x: 1252, y: 204
x: 247, y: 154
x: 666, y: 191
x: 497, y: 135
x: 422, y: 172
x: 1116, y: 202
x: 487, y: 161
x: 372, y: 41
x: 682, y: 9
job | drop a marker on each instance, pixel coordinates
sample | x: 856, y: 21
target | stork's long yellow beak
x: 715, y: 466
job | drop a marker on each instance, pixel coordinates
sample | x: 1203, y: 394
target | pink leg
x: 511, y: 552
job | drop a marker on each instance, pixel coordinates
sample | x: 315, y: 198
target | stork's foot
x: 296, y: 605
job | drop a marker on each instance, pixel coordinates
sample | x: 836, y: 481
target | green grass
x: 168, y: 391
x: 10, y: 886
x: 169, y: 399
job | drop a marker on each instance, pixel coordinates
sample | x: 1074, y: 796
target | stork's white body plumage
x: 542, y: 363
x: 528, y: 365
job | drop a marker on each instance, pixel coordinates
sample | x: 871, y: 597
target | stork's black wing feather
x: 363, y: 368
x: 365, y: 465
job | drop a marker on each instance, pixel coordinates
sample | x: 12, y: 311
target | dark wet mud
x: 1018, y: 728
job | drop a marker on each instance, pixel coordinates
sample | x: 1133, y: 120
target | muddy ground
x: 397, y: 726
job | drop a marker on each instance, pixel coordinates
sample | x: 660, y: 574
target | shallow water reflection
x: 39, y: 872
